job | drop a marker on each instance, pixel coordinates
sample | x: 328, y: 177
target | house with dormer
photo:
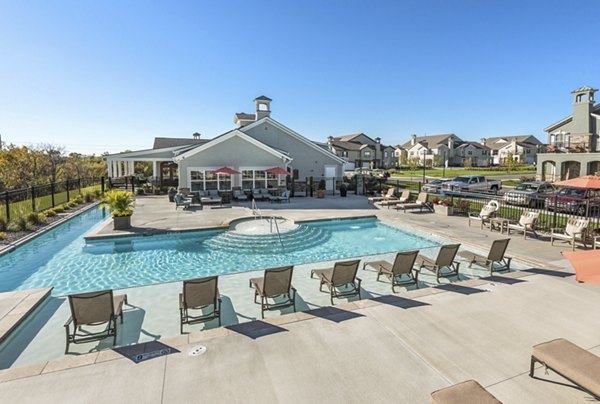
x: 522, y: 148
x: 361, y: 151
x: 433, y: 150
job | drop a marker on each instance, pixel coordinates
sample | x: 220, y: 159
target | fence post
x: 68, y: 197
x: 311, y: 186
x: 7, y: 203
x: 555, y: 209
x: 79, y: 185
x: 102, y: 184
x: 32, y: 198
x: 52, y: 192
x: 132, y: 184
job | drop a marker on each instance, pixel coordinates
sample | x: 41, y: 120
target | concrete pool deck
x: 396, y: 347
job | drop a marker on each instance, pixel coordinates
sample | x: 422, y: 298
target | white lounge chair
x: 404, y: 197
x: 572, y: 233
x: 526, y: 223
x: 486, y: 213
x: 388, y: 196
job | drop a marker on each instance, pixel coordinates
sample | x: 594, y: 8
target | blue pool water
x: 62, y: 258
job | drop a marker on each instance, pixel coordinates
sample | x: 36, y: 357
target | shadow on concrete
x: 256, y: 329
x: 504, y: 280
x: 463, y: 290
x: 145, y: 351
x: 334, y: 314
x: 549, y: 272
x: 400, y: 302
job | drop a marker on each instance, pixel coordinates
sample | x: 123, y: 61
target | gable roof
x: 226, y: 136
x: 262, y: 98
x: 293, y: 134
x: 477, y: 145
x: 353, y: 146
x: 556, y: 125
x: 349, y: 138
x: 496, y: 143
x: 162, y: 142
x: 431, y: 140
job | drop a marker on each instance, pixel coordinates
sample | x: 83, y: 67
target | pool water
x: 62, y: 258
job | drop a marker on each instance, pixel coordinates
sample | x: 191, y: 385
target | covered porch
x: 155, y: 166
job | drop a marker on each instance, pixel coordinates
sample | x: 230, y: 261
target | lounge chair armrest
x: 556, y: 229
x: 69, y: 321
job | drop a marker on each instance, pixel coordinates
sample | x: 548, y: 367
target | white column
x: 154, y: 169
x: 109, y: 165
x: 119, y: 169
x: 131, y: 167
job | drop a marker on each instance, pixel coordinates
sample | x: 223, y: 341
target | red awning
x: 277, y: 171
x: 226, y: 170
x: 587, y: 181
x: 586, y: 265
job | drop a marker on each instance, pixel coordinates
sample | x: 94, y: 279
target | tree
x: 56, y: 158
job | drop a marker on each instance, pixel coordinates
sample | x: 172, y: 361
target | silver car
x: 434, y: 186
x: 532, y: 194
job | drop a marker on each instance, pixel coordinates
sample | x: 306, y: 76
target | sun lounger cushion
x: 469, y: 392
x: 569, y: 360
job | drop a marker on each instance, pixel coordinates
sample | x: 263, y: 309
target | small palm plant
x: 120, y: 203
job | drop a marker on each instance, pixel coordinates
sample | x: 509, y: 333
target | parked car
x: 532, y: 194
x: 470, y: 183
x: 434, y: 186
x: 575, y: 200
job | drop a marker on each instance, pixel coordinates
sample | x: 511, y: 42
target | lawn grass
x: 456, y: 171
x: 23, y: 208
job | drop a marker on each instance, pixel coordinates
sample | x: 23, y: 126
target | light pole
x: 444, y: 169
x: 424, y: 153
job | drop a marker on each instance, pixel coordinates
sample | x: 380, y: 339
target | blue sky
x: 100, y: 76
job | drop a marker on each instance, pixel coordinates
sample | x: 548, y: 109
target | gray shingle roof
x: 496, y: 143
x: 163, y: 142
x: 431, y: 140
x: 262, y: 98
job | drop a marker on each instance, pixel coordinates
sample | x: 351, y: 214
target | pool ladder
x: 257, y: 214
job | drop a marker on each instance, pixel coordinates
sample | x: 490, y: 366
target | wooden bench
x: 469, y: 392
x: 571, y: 362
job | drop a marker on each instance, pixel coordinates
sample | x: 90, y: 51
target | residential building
x: 361, y: 151
x: 473, y: 154
x: 573, y: 148
x: 522, y: 148
x: 433, y: 150
x: 258, y: 143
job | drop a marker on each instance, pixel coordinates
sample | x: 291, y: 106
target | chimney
x: 413, y: 140
x: 196, y: 136
x: 330, y: 140
x: 451, y: 143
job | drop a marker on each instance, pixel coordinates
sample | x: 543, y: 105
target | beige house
x: 523, y: 148
x: 361, y: 151
x: 433, y: 150
x: 256, y: 145
x: 574, y: 147
x: 473, y: 154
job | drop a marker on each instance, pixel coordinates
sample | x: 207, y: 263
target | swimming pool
x: 62, y: 258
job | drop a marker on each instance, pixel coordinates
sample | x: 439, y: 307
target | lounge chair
x: 420, y: 203
x: 210, y: 196
x: 403, y: 265
x: 239, y: 195
x: 496, y: 255
x: 575, y: 231
x: 404, y: 197
x: 343, y: 274
x: 469, y: 392
x: 571, y: 362
x: 284, y: 197
x: 181, y: 200
x: 276, y: 282
x: 526, y: 223
x: 94, y: 309
x: 198, y: 294
x: 445, y: 259
x: 487, y: 212
x: 388, y: 196
x: 261, y: 193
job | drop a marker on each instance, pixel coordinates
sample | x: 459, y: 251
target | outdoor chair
x: 496, y: 255
x: 239, y: 195
x: 404, y: 197
x: 487, y: 212
x: 574, y: 231
x: 389, y: 195
x: 181, y: 200
x: 97, y: 312
x: 210, y: 197
x: 445, y: 259
x: 260, y: 194
x: 277, y: 282
x: 575, y: 364
x: 526, y: 223
x: 198, y: 294
x: 284, y: 197
x: 420, y: 203
x: 402, y: 266
x: 468, y: 392
x: 342, y: 275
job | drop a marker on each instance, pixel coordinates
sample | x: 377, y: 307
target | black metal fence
x: 20, y: 202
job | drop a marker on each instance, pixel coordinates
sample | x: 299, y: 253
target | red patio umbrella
x: 226, y: 170
x: 587, y: 181
x: 277, y: 171
x: 586, y: 265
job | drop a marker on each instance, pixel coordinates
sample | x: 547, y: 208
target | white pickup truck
x: 472, y: 183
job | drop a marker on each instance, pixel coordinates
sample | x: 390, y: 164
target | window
x: 367, y: 153
x: 344, y: 154
x: 259, y: 179
x: 470, y: 152
x: 385, y: 154
x: 527, y: 151
x: 204, y: 180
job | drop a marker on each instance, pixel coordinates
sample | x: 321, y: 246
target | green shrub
x: 120, y: 203
x: 59, y: 209
x: 2, y: 235
x: 156, y: 190
x: 19, y: 223
x: 89, y: 197
x: 140, y: 191
x: 72, y: 204
x: 50, y: 213
x: 3, y: 224
x: 36, y: 218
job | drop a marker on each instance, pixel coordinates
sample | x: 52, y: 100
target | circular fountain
x: 267, y: 235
